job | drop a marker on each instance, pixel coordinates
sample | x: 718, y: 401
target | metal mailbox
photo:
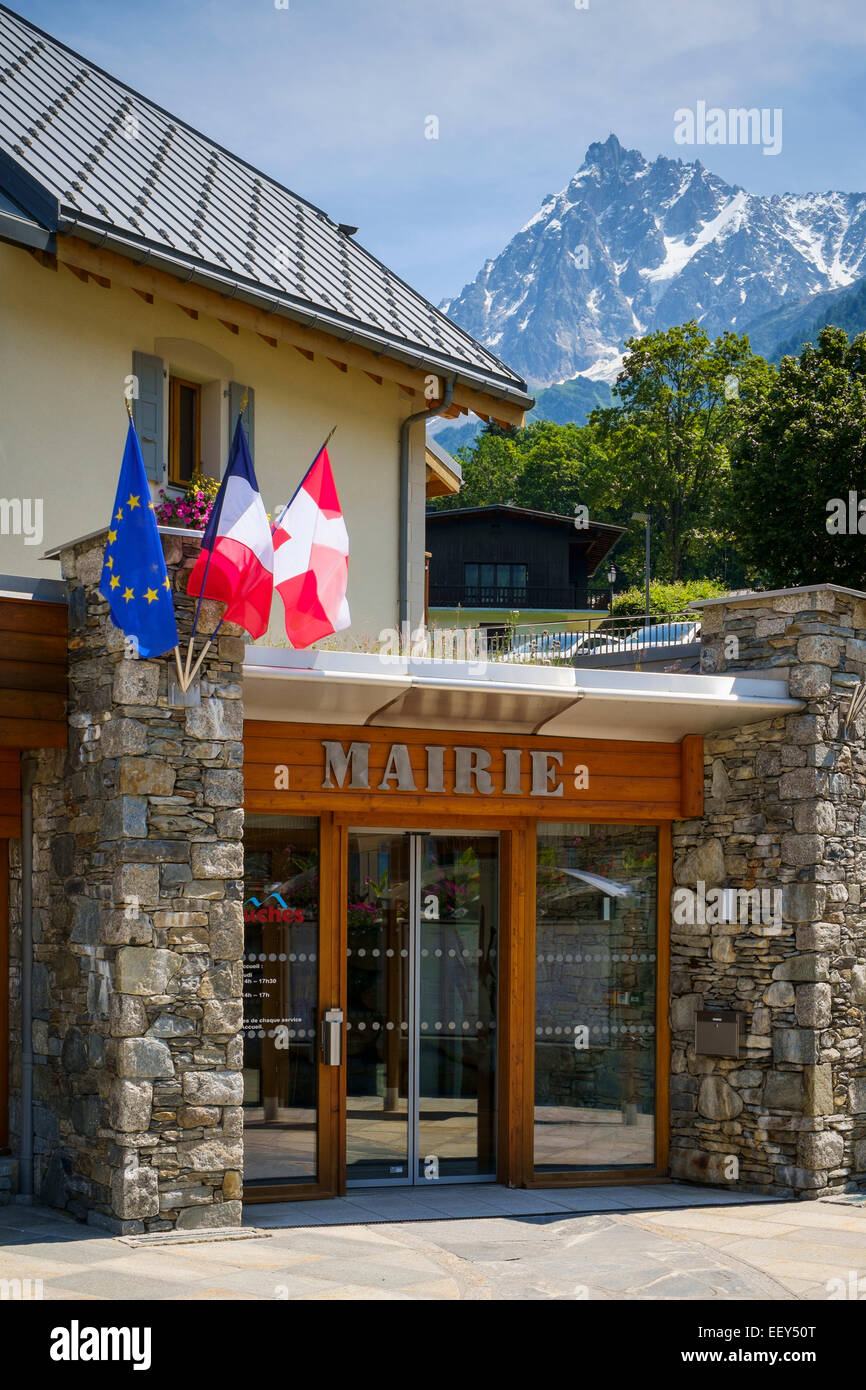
x: 717, y: 1033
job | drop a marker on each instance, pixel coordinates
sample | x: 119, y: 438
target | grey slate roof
x: 90, y: 157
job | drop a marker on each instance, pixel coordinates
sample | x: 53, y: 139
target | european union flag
x: 134, y: 578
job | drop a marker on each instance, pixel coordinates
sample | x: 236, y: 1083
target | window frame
x: 174, y: 387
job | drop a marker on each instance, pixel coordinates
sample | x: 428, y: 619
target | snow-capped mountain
x: 630, y: 246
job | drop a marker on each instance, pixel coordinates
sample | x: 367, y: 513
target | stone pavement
x: 760, y: 1251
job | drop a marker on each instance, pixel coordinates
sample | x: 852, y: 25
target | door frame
x: 413, y: 1148
x: 515, y: 995
x: 331, y: 1081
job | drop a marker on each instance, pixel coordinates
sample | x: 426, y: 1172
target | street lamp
x: 644, y: 517
x: 611, y: 579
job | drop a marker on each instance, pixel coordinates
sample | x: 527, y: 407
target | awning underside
x: 644, y: 707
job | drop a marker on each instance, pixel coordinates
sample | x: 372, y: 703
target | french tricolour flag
x: 236, y: 564
x: 311, y: 558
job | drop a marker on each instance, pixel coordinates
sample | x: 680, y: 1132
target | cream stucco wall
x: 65, y: 351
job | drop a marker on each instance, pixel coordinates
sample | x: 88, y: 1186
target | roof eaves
x: 597, y: 526
x: 190, y: 270
x: 29, y: 193
x: 19, y: 229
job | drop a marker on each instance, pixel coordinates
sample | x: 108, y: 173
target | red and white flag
x: 311, y: 558
x: 236, y: 564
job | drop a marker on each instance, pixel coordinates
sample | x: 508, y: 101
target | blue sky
x: 331, y: 98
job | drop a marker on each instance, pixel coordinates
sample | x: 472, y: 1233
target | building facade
x: 360, y: 914
x: 500, y: 566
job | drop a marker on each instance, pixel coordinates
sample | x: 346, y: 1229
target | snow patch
x: 679, y: 251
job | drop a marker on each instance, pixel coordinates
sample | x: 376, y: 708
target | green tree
x: 491, y: 466
x: 802, y: 444
x: 552, y: 468
x: 668, y: 439
x: 563, y: 467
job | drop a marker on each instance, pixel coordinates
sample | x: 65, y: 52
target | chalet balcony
x: 570, y: 597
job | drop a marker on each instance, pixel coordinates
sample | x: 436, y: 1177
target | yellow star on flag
x: 109, y: 564
x: 128, y: 594
x: 132, y: 502
x: 165, y: 583
x: 112, y: 537
x: 115, y: 581
x: 118, y: 515
x: 150, y: 595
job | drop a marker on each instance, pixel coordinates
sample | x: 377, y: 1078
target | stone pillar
x: 784, y: 812
x: 138, y: 927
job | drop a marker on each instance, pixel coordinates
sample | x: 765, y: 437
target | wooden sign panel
x: 306, y: 768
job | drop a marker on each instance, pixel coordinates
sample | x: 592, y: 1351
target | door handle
x: 332, y: 1037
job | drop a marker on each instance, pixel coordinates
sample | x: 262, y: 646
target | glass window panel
x: 187, y: 406
x: 471, y: 572
x: 378, y: 1019
x: 456, y: 1029
x: 487, y: 573
x: 281, y: 986
x: 503, y: 576
x: 595, y: 977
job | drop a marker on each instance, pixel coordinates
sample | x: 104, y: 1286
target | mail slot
x: 717, y: 1033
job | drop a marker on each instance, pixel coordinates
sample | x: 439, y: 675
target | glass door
x: 281, y: 1001
x: 378, y: 1018
x: 421, y: 1022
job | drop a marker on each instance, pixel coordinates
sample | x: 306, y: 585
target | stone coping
x: 57, y: 550
x: 752, y: 596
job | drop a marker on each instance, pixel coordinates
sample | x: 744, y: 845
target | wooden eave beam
x: 84, y: 259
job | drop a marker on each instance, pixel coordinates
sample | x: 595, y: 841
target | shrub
x: 664, y: 598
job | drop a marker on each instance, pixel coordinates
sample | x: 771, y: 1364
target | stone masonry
x: 138, y: 931
x: 784, y: 809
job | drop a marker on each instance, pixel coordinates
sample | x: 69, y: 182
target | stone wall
x: 138, y: 934
x: 783, y: 811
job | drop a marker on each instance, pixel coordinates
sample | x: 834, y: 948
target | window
x: 489, y: 583
x: 184, y: 430
x: 281, y: 985
x: 595, y: 996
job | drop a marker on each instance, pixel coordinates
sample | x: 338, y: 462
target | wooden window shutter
x: 236, y: 395
x: 147, y: 413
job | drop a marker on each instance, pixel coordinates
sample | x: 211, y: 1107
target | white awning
x: 358, y: 688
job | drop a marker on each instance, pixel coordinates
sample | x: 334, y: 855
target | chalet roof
x: 88, y: 156
x: 597, y: 537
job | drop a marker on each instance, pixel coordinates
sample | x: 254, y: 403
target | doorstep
x: 461, y: 1202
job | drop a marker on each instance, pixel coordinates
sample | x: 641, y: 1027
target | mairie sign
x: 348, y: 766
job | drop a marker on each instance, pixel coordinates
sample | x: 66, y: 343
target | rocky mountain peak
x: 628, y: 246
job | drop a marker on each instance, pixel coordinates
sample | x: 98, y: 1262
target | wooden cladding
x: 10, y: 794
x: 693, y: 776
x: 309, y: 768
x: 32, y: 675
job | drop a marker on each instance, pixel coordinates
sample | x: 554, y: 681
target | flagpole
x: 204, y: 651
x: 177, y: 645
x: 319, y: 451
x: 190, y: 675
x: 189, y: 678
